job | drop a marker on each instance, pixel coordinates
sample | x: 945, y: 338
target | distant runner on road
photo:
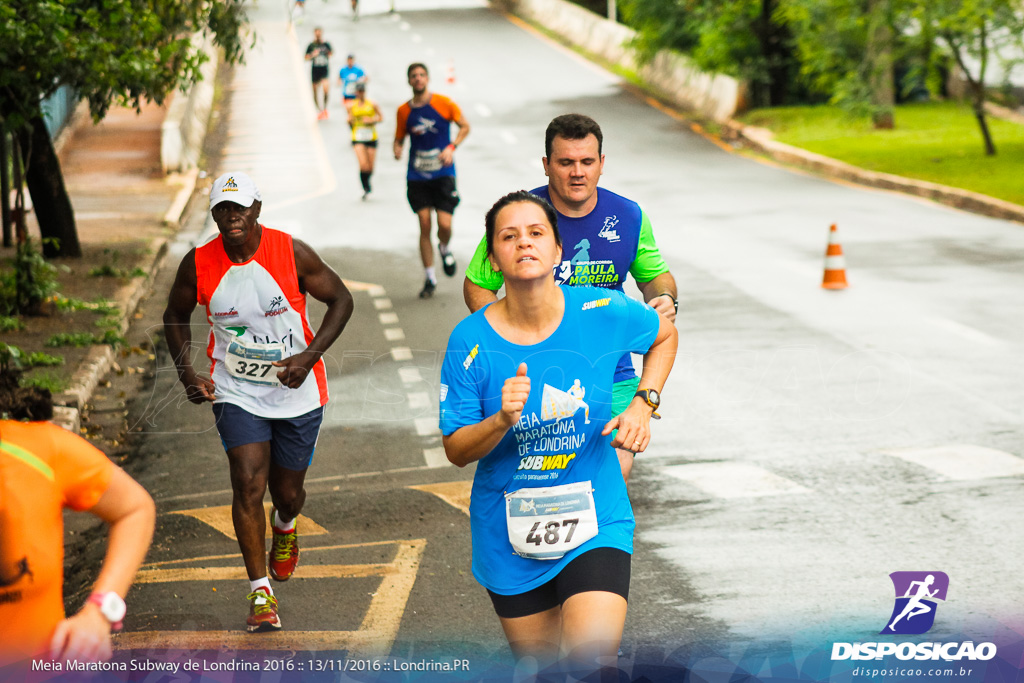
x: 611, y: 236
x: 319, y: 53
x: 426, y: 119
x: 363, y: 117
x: 349, y: 77
x: 268, y: 382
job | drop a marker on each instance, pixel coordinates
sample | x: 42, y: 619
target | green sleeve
x: 648, y: 263
x: 479, y: 270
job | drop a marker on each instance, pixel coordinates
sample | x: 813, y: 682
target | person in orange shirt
x: 430, y: 181
x: 44, y: 469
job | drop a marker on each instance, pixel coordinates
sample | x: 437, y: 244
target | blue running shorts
x: 292, y: 440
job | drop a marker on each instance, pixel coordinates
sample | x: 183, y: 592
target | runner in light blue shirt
x: 526, y: 391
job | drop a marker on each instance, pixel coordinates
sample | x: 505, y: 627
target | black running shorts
x: 439, y: 193
x: 600, y: 569
x: 319, y: 73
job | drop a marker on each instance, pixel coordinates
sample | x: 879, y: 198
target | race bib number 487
x: 546, y: 523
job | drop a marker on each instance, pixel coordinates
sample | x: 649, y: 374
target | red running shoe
x: 262, y: 611
x: 284, y: 551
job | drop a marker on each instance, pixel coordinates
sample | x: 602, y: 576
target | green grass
x: 46, y: 380
x: 935, y: 141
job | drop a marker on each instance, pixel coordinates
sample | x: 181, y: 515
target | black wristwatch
x: 675, y: 301
x: 652, y: 398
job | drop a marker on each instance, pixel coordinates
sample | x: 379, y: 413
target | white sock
x: 279, y: 522
x: 261, y: 583
x: 430, y: 274
x: 443, y: 248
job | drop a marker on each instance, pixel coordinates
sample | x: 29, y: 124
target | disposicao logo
x: 917, y: 596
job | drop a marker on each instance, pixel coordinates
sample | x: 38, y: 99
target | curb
x: 762, y: 140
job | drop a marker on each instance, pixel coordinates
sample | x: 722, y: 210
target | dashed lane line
x: 734, y: 480
x: 963, y: 462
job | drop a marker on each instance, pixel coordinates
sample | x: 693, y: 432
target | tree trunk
x: 5, y: 189
x: 49, y: 197
x: 880, y: 64
x: 979, y: 113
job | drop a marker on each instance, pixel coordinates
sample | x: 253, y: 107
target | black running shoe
x: 448, y: 262
x: 428, y: 289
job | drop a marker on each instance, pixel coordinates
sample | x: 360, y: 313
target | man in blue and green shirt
x: 604, y: 236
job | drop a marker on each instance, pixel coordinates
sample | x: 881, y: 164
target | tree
x: 112, y: 52
x: 975, y: 32
x: 742, y: 38
x: 848, y: 49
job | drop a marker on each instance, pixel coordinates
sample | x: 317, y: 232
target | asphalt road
x: 813, y: 441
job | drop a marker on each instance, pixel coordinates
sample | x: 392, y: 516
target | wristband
x: 675, y: 302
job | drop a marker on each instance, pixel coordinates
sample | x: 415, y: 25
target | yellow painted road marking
x: 375, y: 636
x: 455, y: 493
x: 238, y: 556
x: 317, y: 571
x: 220, y: 519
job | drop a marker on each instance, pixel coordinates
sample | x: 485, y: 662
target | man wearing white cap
x: 253, y: 281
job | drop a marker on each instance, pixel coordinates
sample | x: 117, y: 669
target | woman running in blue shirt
x: 551, y: 521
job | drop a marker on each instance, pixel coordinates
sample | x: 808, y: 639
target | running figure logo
x: 423, y: 127
x: 916, y: 596
x: 607, y: 230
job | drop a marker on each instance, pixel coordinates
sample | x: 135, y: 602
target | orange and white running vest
x: 257, y: 315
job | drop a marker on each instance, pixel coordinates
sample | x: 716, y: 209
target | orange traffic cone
x: 835, y: 264
x: 451, y: 72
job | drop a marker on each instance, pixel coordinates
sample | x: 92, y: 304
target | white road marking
x: 401, y: 353
x: 381, y: 304
x: 968, y: 333
x: 418, y: 399
x: 963, y: 462
x: 394, y: 334
x: 509, y: 137
x: 435, y: 457
x: 483, y: 110
x: 426, y: 426
x: 405, y: 26
x: 376, y: 290
x: 734, y: 480
x: 417, y: 38
x: 410, y: 375
x: 388, y: 318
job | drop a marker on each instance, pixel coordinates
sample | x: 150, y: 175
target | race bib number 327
x: 254, y: 363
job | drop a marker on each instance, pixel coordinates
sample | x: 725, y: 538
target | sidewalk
x: 126, y: 210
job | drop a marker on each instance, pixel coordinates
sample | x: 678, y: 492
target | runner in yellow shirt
x: 363, y: 117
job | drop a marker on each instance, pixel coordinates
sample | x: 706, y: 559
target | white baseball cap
x: 234, y: 187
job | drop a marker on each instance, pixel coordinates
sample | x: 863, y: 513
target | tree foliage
x: 975, y: 32
x: 112, y: 52
x: 852, y: 52
x: 742, y: 38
